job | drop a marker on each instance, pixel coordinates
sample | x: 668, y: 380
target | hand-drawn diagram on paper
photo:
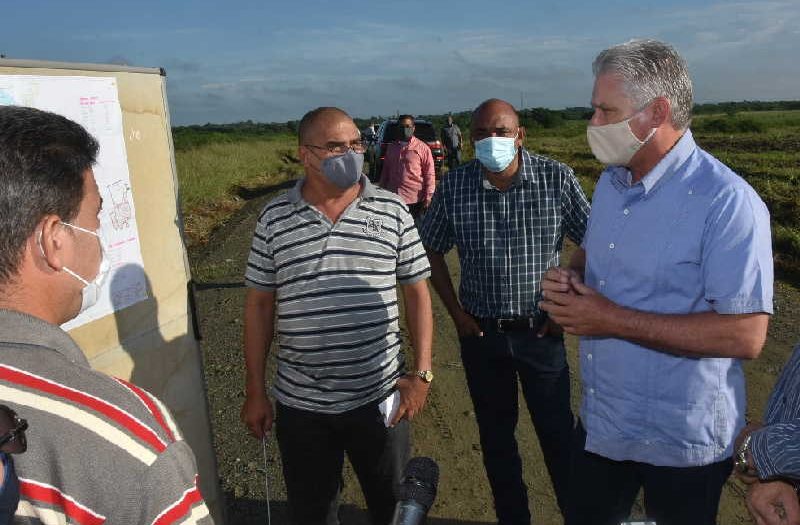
x: 94, y: 103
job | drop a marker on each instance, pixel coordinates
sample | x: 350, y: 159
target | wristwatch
x: 741, y: 456
x: 425, y: 375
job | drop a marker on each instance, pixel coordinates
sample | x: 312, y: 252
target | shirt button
x: 589, y: 357
x: 591, y: 391
x: 611, y: 246
x: 626, y: 211
x: 646, y: 441
x: 602, y: 283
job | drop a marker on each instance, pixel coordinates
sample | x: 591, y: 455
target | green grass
x: 213, y: 175
x: 762, y: 146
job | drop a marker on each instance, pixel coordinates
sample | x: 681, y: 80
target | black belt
x: 511, y: 324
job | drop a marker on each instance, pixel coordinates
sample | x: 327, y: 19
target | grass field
x: 217, y: 176
x: 217, y: 172
x: 220, y: 176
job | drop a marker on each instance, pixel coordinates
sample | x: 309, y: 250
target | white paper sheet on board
x: 94, y: 103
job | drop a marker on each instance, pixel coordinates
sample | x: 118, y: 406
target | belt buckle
x: 499, y: 325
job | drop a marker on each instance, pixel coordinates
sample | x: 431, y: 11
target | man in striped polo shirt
x: 507, y: 212
x: 100, y: 450
x: 322, y: 274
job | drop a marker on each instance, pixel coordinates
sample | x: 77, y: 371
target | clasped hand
x: 580, y: 310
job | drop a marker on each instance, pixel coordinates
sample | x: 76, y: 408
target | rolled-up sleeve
x: 737, y: 254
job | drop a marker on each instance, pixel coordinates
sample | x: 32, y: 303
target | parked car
x: 387, y: 133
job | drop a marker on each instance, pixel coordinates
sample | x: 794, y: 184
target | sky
x: 271, y: 61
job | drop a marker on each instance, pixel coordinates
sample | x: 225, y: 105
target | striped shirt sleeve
x: 776, y: 447
x: 412, y: 261
x: 169, y: 489
x: 436, y: 231
x: 574, y: 208
x: 776, y: 450
x: 260, y: 271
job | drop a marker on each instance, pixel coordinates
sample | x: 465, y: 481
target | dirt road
x: 446, y: 431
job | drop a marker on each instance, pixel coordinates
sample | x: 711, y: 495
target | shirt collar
x: 22, y: 328
x: 668, y: 164
x: 295, y: 194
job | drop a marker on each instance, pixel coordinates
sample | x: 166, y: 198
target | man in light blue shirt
x: 671, y: 288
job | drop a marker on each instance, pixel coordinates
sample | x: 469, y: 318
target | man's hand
x: 558, y: 280
x: 773, y: 502
x: 580, y: 310
x: 413, y: 393
x: 466, y: 325
x: 257, y: 415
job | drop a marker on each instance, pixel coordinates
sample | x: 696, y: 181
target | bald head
x: 495, y: 107
x: 317, y: 120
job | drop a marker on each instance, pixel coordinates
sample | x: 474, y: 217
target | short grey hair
x: 650, y: 69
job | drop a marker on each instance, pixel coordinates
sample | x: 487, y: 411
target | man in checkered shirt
x: 507, y: 212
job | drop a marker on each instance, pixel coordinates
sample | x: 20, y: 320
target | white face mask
x: 615, y: 144
x: 91, y: 290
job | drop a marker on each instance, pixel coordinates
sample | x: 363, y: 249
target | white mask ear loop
x: 649, y: 136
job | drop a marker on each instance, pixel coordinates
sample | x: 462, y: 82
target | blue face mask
x: 496, y: 153
x: 343, y: 170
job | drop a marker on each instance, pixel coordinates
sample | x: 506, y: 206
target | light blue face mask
x: 496, y: 153
x: 343, y: 170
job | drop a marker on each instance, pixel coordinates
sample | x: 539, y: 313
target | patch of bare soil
x: 446, y: 431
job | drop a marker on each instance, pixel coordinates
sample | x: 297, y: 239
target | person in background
x: 507, y: 213
x: 451, y: 140
x: 767, y: 455
x: 104, y: 450
x: 408, y: 168
x: 670, y: 290
x: 12, y: 441
x: 322, y: 274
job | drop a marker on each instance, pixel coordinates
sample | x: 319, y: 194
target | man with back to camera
x: 507, y: 212
x: 671, y: 289
x: 408, y: 168
x: 323, y: 270
x: 103, y: 450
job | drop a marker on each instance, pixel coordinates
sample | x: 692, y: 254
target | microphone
x: 416, y: 492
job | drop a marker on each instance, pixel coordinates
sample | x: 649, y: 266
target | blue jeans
x: 493, y: 364
x: 312, y: 448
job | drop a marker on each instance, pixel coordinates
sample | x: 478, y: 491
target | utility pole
x: 521, y: 101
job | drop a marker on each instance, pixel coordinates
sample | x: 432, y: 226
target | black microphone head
x: 420, y: 479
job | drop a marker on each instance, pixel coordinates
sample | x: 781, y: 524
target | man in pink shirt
x: 408, y: 168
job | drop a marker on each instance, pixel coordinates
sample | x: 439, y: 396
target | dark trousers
x: 604, y: 490
x: 417, y: 209
x: 312, y: 450
x: 493, y: 364
x: 453, y: 158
